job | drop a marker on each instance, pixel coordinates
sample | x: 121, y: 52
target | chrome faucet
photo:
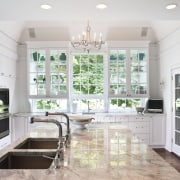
x: 60, y: 148
x: 34, y: 119
x: 68, y: 135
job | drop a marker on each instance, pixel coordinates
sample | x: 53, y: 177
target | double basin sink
x: 34, y: 159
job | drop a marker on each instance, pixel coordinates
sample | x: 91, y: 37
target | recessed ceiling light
x: 171, y: 6
x: 46, y: 6
x: 101, y: 6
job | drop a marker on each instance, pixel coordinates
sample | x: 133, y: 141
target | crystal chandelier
x: 84, y: 41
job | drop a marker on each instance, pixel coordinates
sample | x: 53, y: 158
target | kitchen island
x: 102, y: 151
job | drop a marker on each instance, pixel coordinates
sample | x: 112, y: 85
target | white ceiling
x: 122, y: 20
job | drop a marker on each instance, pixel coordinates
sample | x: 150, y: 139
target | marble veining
x: 100, y: 152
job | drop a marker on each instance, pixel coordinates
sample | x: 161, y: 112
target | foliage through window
x: 88, y: 74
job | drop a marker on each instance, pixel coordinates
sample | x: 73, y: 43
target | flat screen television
x: 154, y: 106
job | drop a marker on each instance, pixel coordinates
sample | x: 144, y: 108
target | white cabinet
x: 5, y: 141
x: 157, y: 129
x: 140, y: 127
x: 105, y: 118
x: 123, y: 120
x: 149, y: 128
x: 128, y: 70
x: 19, y: 127
x: 47, y: 72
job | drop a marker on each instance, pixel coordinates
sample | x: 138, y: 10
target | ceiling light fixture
x: 101, y: 6
x: 84, y: 41
x: 171, y: 6
x: 46, y: 6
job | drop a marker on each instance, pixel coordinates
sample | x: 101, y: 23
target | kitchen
x: 162, y: 63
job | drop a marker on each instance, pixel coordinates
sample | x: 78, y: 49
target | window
x: 88, y: 81
x: 88, y: 74
x: 115, y: 81
x: 125, y: 105
x: 42, y: 105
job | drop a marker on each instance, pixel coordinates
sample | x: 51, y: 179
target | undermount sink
x: 27, y: 160
x: 38, y: 143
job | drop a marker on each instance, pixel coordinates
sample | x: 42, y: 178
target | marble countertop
x: 30, y: 114
x: 101, y: 152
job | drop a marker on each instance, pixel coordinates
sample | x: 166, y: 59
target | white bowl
x: 80, y: 120
x: 139, y: 109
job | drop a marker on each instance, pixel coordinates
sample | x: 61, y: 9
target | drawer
x: 109, y: 118
x: 139, y: 127
x: 121, y: 118
x: 139, y: 118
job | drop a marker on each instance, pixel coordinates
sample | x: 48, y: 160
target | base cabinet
x: 149, y: 128
x: 19, y: 127
x: 157, y: 128
x: 5, y: 141
x: 139, y: 125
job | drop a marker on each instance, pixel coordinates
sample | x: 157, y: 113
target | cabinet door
x: 109, y: 118
x: 58, y: 73
x: 19, y: 127
x: 118, y: 72
x: 37, y: 73
x: 157, y: 130
x: 128, y: 72
x: 139, y: 127
x: 5, y: 141
x: 122, y: 120
x: 138, y: 73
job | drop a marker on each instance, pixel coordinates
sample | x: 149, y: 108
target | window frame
x: 88, y: 96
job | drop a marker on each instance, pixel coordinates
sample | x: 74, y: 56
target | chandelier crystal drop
x: 85, y: 43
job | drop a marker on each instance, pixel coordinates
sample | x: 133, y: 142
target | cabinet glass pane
x: 58, y: 72
x: 37, y: 56
x: 41, y: 89
x: 138, y: 72
x: 138, y: 89
x: 117, y: 71
x: 37, y: 69
x: 33, y: 89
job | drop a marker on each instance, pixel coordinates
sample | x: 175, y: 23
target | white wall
x: 169, y: 59
x: 154, y: 81
x: 9, y: 36
x: 8, y: 57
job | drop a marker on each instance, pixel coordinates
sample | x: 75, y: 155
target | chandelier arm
x: 85, y: 43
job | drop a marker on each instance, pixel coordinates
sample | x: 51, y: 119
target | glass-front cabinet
x: 58, y: 74
x: 128, y: 73
x: 118, y: 72
x: 37, y: 72
x: 47, y: 73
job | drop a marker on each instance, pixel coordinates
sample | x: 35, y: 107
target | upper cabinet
x: 47, y: 72
x: 128, y: 72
